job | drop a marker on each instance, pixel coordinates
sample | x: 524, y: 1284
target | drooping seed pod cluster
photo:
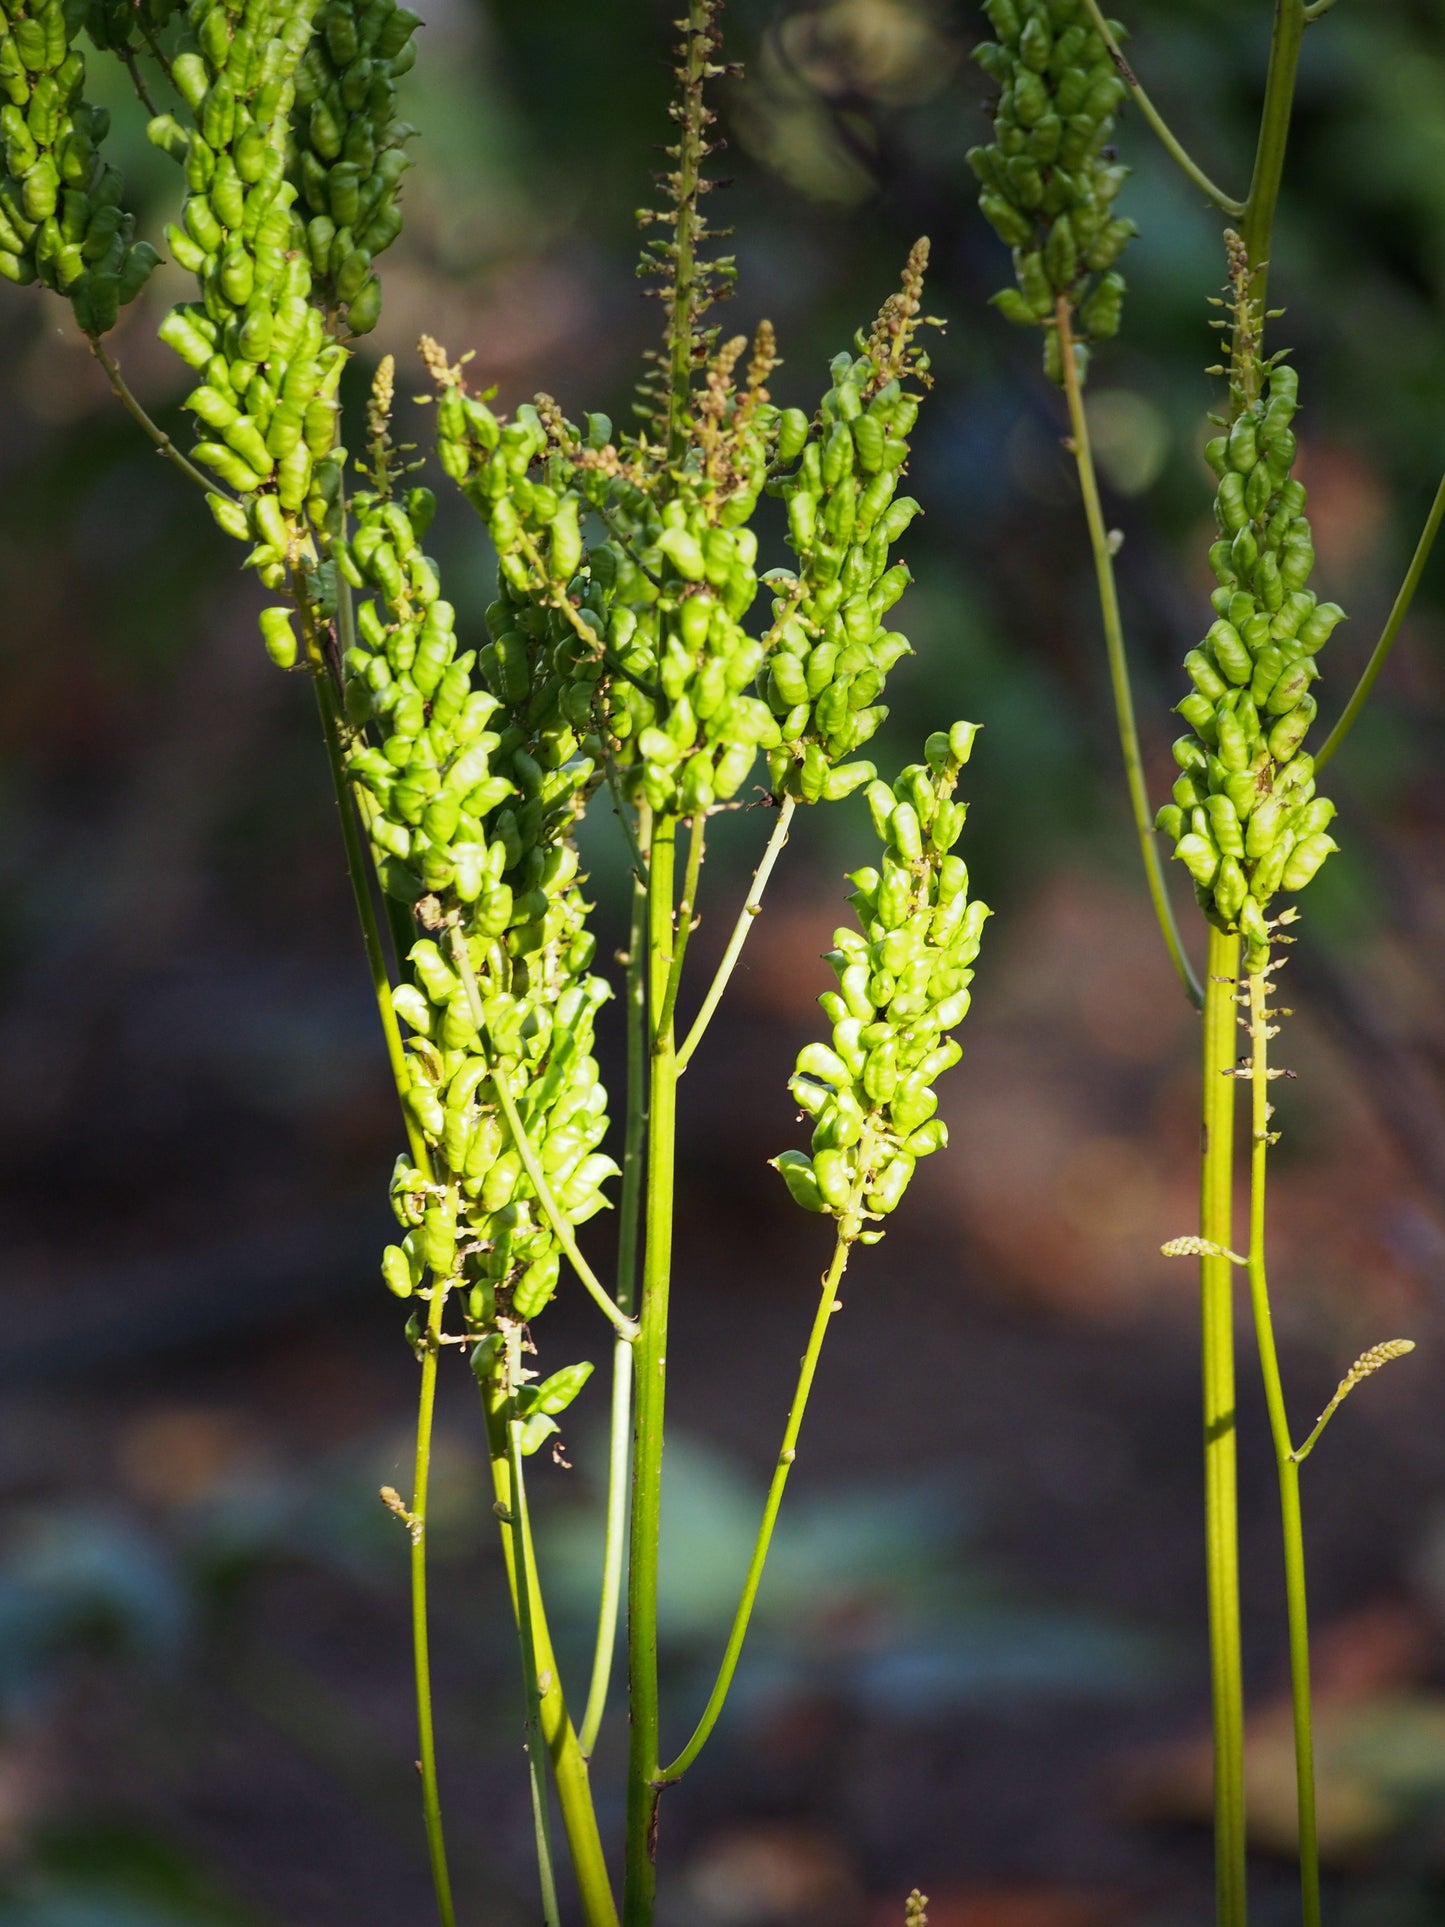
x: 1245, y: 819
x: 470, y: 812
x: 902, y: 986
x: 269, y: 373
x: 61, y: 218
x: 1048, y: 183
x: 352, y: 148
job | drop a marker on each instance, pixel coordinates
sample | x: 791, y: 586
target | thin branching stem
x: 619, y: 1454
x: 787, y: 1453
x: 1170, y: 143
x: 747, y: 916
x: 1380, y: 655
x: 150, y: 428
x: 686, y: 909
x: 1118, y: 660
x: 532, y: 1164
x: 1286, y: 1462
x: 520, y: 1524
x: 569, y: 1769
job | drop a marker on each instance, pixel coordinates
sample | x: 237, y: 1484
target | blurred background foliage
x: 979, y: 1666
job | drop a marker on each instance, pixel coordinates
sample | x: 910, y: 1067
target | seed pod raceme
x: 267, y: 372
x: 903, y: 982
x: 1047, y: 181
x: 351, y: 148
x: 1245, y: 819
x: 470, y: 805
x: 830, y: 647
x: 62, y: 221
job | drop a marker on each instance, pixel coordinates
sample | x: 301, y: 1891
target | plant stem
x: 1284, y: 52
x: 156, y: 434
x: 651, y: 1363
x: 532, y: 1164
x: 1221, y: 1524
x: 426, y: 1738
x: 827, y: 1305
x: 739, y: 937
x: 1118, y: 660
x: 1156, y: 120
x: 1391, y: 629
x: 521, y: 1527
x: 619, y: 1457
x: 569, y: 1769
x: 357, y: 870
x: 687, y: 905
x: 1285, y: 1460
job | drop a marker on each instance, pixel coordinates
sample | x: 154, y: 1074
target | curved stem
x: 739, y: 936
x: 569, y: 1769
x: 532, y: 1164
x: 137, y: 80
x: 640, y: 1877
x: 426, y: 1738
x: 1118, y: 660
x: 619, y: 1456
x: 356, y: 867
x: 1381, y: 653
x: 1316, y: 8
x: 827, y: 1305
x: 158, y: 435
x: 1221, y: 1524
x: 1285, y: 1459
x: 1224, y: 202
x: 357, y: 870
x: 625, y: 1327
x: 521, y: 1526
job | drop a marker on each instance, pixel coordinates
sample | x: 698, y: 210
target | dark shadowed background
x: 979, y: 1662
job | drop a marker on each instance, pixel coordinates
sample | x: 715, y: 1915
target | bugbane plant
x: 633, y: 655
x: 1245, y: 821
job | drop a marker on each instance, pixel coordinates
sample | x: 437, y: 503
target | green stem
x: 357, y: 869
x: 1391, y: 629
x: 426, y: 1737
x: 619, y: 1456
x: 685, y: 909
x: 1257, y: 231
x: 1221, y: 1522
x: 739, y: 937
x: 651, y: 1362
x: 1155, y: 119
x: 521, y: 1527
x: 569, y: 1769
x: 1285, y: 1460
x: 156, y: 434
x: 827, y: 1305
x: 1119, y: 661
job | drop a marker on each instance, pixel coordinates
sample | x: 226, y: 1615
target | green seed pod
x: 279, y: 637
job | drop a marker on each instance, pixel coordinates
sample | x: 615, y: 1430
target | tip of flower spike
x: 1200, y: 1248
